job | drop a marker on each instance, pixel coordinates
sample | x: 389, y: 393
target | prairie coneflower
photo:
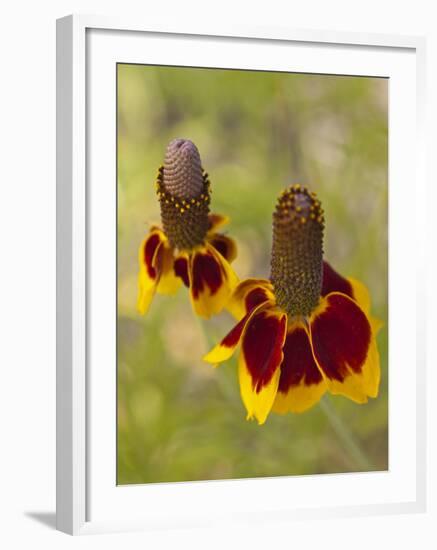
x: 187, y: 248
x: 305, y: 331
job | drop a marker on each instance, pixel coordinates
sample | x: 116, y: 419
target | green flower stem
x: 345, y: 436
x: 224, y: 382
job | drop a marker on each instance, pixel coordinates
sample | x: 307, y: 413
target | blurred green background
x: 180, y: 419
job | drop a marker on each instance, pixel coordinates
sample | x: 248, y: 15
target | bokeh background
x: 179, y: 419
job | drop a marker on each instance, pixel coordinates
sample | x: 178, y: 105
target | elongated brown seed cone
x: 184, y: 194
x: 297, y: 251
x: 183, y: 174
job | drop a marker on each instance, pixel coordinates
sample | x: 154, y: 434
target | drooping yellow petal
x: 361, y: 294
x: 150, y: 262
x: 231, y: 276
x: 212, y: 281
x: 260, y: 359
x: 360, y: 386
x: 216, y: 221
x: 169, y: 282
x: 355, y: 289
x: 376, y: 325
x: 372, y: 369
x: 181, y: 267
x: 298, y: 399
x: 146, y: 291
x: 344, y: 348
x: 301, y: 384
x: 225, y: 349
x: 258, y: 404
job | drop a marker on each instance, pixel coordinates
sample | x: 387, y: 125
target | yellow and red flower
x: 187, y: 249
x: 307, y: 329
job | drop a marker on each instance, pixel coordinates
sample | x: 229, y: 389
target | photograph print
x: 252, y: 274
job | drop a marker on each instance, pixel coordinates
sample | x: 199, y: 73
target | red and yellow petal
x: 216, y: 221
x: 169, y: 282
x: 355, y: 289
x: 225, y: 245
x: 301, y: 384
x: 344, y: 348
x: 212, y: 281
x: 360, y: 293
x: 225, y: 349
x: 249, y: 294
x: 260, y: 360
x: 150, y: 257
x: 181, y: 268
x: 332, y: 281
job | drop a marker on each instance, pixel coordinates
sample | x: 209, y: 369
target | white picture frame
x: 76, y: 359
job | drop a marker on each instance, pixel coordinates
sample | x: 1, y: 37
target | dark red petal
x: 298, y: 364
x: 150, y: 247
x: 180, y: 267
x: 341, y: 337
x: 231, y: 339
x: 255, y: 297
x: 206, y: 271
x: 221, y: 244
x: 334, y: 282
x: 262, y: 347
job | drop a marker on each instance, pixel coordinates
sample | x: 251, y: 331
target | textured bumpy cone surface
x: 184, y: 195
x: 297, y: 251
x: 183, y: 174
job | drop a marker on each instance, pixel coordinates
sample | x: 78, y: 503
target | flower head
x: 307, y: 329
x: 187, y: 249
